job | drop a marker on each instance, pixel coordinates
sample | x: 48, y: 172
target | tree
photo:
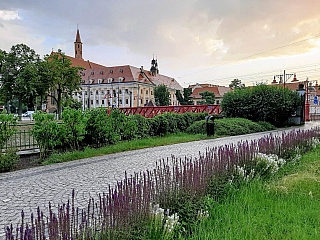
x: 185, y: 99
x: 162, y: 95
x: 261, y: 103
x: 65, y: 78
x: 236, y: 84
x: 208, y: 97
x: 18, y: 70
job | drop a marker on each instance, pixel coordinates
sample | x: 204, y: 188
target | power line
x: 250, y: 56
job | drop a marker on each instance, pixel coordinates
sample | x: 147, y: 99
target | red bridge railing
x: 152, y: 111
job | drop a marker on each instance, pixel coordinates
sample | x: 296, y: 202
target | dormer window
x: 101, y: 72
x: 111, y: 71
x: 110, y: 80
x: 121, y: 79
x: 121, y: 70
x: 92, y: 73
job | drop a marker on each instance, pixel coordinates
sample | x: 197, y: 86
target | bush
x: 74, y: 123
x: 8, y: 160
x: 261, y: 103
x: 267, y: 126
x: 97, y: 126
x: 230, y: 127
x: 47, y: 132
x: 198, y: 127
x: 7, y: 127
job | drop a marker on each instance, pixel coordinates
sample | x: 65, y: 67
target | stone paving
x: 27, y: 189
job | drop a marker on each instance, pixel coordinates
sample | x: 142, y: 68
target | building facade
x: 117, y: 86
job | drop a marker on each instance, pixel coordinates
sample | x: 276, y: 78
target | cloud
x: 9, y: 15
x: 194, y: 33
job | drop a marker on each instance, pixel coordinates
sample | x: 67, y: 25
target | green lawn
x: 288, y: 207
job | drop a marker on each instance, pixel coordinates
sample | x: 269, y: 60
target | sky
x: 194, y: 41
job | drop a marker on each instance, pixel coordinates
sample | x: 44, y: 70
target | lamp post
x: 307, y: 104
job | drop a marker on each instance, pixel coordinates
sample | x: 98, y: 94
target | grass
x: 125, y: 146
x: 288, y: 207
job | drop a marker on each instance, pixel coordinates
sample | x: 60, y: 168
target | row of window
x: 109, y: 102
x: 114, y: 92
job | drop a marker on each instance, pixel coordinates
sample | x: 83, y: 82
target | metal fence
x: 22, y: 139
x: 314, y: 113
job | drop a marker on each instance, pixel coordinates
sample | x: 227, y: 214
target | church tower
x: 78, y: 46
x: 154, y: 67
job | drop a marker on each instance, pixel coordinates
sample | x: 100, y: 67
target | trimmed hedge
x: 230, y: 127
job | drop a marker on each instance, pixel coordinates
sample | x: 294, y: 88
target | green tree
x: 261, y: 103
x: 162, y: 95
x: 208, y: 97
x: 236, y: 84
x: 65, y: 78
x: 18, y: 70
x: 185, y: 99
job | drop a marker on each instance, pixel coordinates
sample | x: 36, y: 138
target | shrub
x: 267, y: 126
x: 98, y: 124
x: 74, y: 123
x: 229, y: 127
x: 198, y: 127
x: 143, y: 125
x: 7, y: 127
x: 8, y: 160
x: 47, y: 132
x: 261, y: 103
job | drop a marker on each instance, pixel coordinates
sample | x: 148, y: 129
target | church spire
x: 78, y: 46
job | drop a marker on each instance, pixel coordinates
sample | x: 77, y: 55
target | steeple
x: 78, y: 46
x: 154, y: 67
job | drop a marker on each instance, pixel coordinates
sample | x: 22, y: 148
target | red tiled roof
x: 196, y: 92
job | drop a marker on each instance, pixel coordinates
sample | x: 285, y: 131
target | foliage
x: 7, y: 127
x: 143, y: 125
x: 207, y: 97
x: 261, y: 103
x: 230, y: 127
x: 74, y: 123
x: 47, y: 132
x: 97, y: 127
x: 162, y: 95
x: 19, y: 73
x: 8, y: 160
x: 65, y: 78
x: 185, y: 99
x: 236, y: 84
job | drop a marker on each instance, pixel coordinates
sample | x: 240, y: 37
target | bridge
x: 151, y: 111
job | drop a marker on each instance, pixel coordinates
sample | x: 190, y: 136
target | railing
x: 22, y: 139
x: 152, y: 111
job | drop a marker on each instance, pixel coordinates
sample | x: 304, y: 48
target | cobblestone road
x: 27, y: 189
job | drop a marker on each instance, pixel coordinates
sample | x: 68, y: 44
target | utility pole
x: 285, y: 77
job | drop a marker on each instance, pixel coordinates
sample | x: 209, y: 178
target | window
x: 97, y: 102
x: 120, y: 92
x: 97, y: 92
x: 85, y: 93
x: 102, y: 101
x: 108, y: 92
x: 151, y: 93
x: 91, y: 102
x: 120, y: 101
x: 218, y: 101
x: 141, y: 91
x: 127, y: 101
x: 146, y: 91
x: 126, y: 91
